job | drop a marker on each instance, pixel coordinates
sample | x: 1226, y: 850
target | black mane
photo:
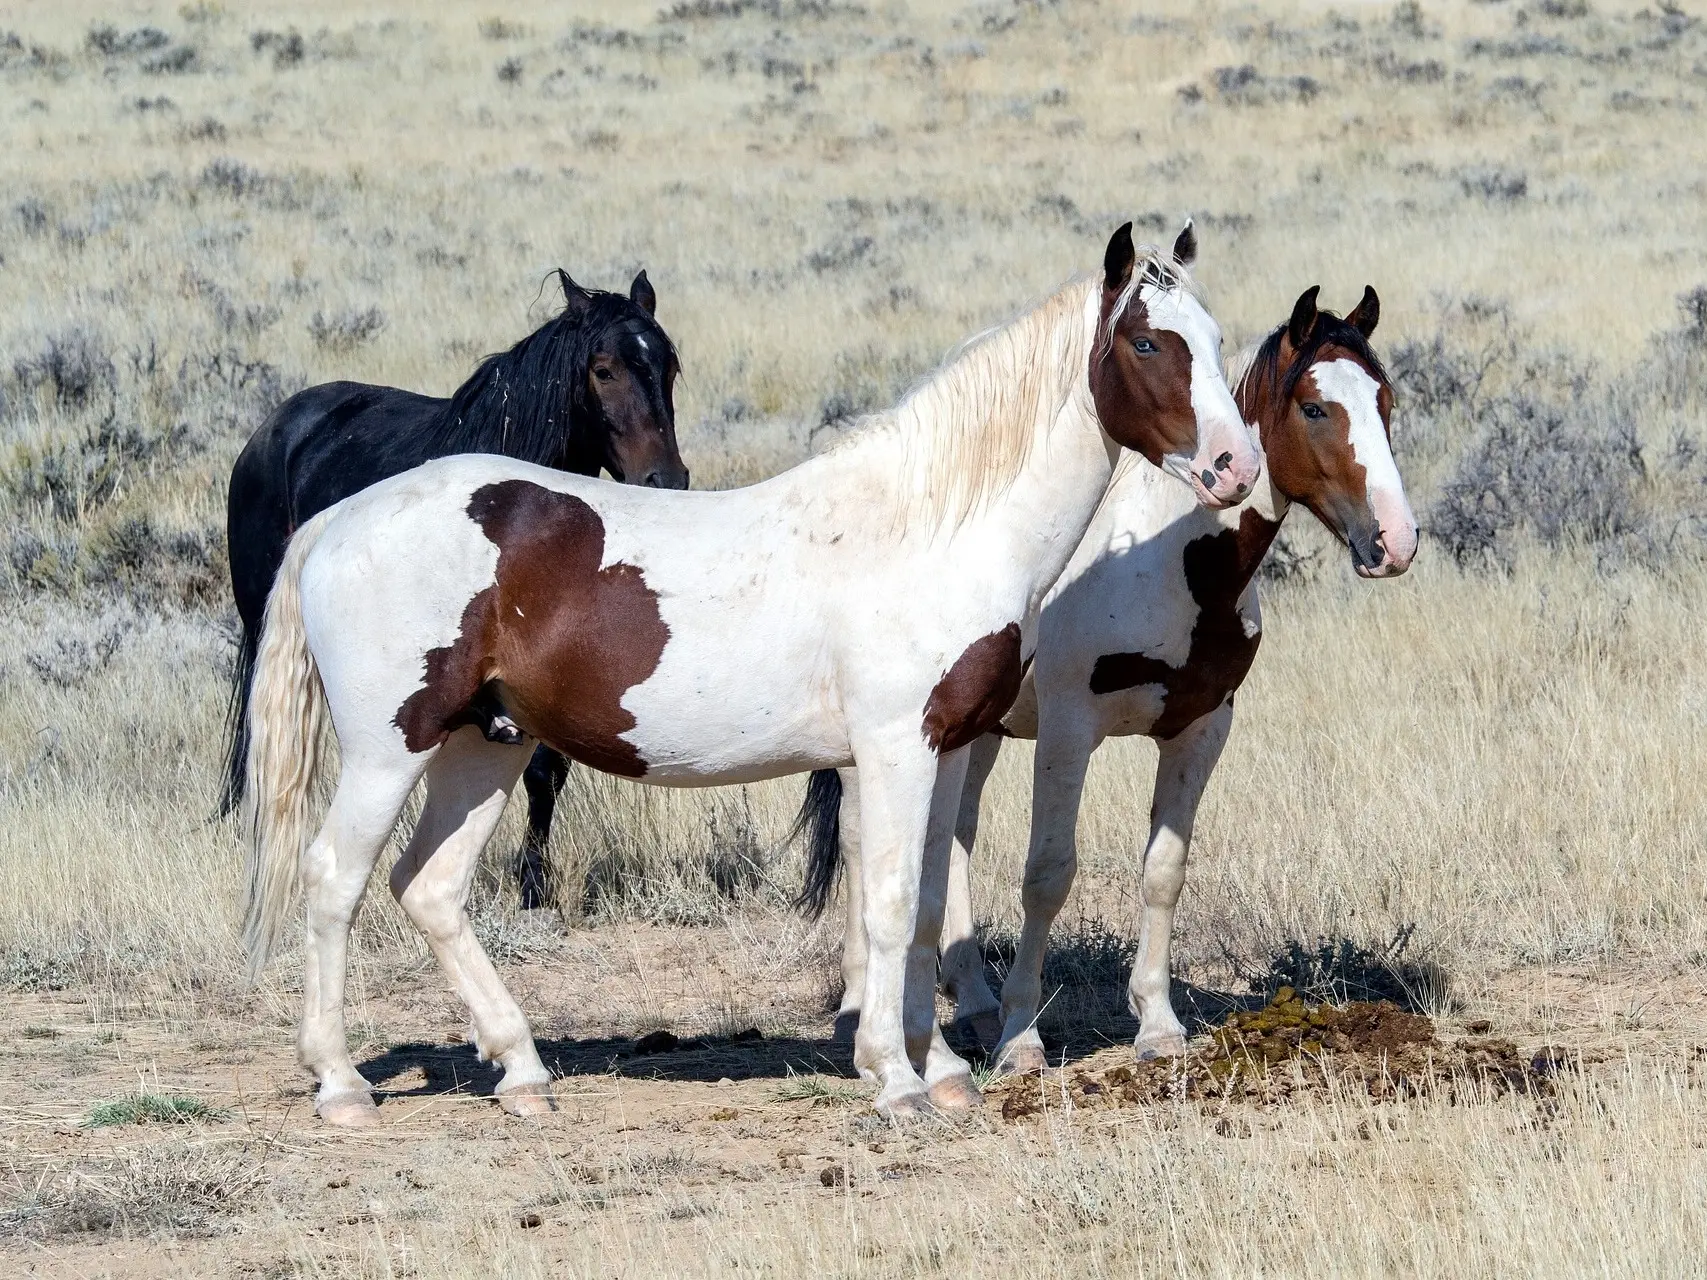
x: 528, y: 402
x: 1329, y: 330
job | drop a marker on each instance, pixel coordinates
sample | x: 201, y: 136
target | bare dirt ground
x: 727, y: 1122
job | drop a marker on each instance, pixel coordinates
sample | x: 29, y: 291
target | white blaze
x: 1348, y: 384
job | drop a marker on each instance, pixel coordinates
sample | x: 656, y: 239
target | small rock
x: 725, y: 1113
x: 833, y: 1176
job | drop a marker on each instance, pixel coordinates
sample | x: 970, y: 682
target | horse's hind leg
x: 962, y: 959
x: 1182, y: 772
x: 854, y: 944
x: 335, y: 871
x: 468, y: 784
x: 545, y: 776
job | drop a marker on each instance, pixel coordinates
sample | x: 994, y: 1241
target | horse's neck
x: 1263, y: 512
x: 1054, y: 498
x: 1034, y: 522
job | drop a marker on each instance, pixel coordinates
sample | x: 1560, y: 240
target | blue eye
x: 1144, y: 347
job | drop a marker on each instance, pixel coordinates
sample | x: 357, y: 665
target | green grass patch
x: 818, y: 1090
x: 142, y: 1107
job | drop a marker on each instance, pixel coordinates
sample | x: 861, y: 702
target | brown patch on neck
x: 1218, y: 568
x: 976, y: 692
x: 557, y: 639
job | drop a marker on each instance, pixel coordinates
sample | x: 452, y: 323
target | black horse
x: 590, y: 389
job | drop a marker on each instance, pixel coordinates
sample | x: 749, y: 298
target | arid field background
x: 1477, y: 788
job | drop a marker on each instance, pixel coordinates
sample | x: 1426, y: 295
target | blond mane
x: 967, y: 430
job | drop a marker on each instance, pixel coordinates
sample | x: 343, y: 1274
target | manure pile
x: 1289, y: 1048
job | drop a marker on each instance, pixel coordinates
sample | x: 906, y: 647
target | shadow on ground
x: 750, y: 1055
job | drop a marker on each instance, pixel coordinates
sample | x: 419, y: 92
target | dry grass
x: 1501, y: 755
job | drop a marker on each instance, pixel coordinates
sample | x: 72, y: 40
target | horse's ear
x: 1367, y: 313
x: 641, y: 294
x: 1117, y: 260
x: 1185, y: 244
x: 1303, y: 321
x: 576, y: 300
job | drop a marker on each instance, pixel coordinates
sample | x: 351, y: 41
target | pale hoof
x: 530, y: 1101
x: 1167, y: 1044
x: 906, y: 1106
x: 348, y: 1111
x: 985, y: 1028
x: 955, y: 1093
x: 1022, y: 1059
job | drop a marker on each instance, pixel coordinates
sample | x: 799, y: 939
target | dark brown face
x: 631, y: 378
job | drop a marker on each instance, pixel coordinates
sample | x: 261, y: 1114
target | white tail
x: 286, y: 712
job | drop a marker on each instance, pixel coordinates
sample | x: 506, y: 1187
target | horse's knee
x: 1047, y: 882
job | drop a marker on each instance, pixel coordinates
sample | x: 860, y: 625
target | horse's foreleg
x: 962, y: 959
x: 897, y: 783
x: 854, y: 944
x: 335, y: 871
x: 1182, y: 772
x: 467, y: 787
x: 546, y: 773
x: 1058, y: 780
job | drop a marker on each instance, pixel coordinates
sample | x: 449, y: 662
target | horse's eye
x: 1144, y: 347
x: 603, y: 374
x: 1313, y: 410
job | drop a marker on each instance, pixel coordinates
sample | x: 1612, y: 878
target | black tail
x: 820, y: 821
x: 237, y: 726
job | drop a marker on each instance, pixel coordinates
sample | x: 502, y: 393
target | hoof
x: 348, y: 1111
x: 529, y: 1101
x: 955, y: 1093
x: 847, y: 1022
x: 1022, y: 1059
x: 985, y: 1028
x: 1164, y: 1045
x: 906, y: 1106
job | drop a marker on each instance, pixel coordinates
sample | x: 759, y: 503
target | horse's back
x: 644, y: 632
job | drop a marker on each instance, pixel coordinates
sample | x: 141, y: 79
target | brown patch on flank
x: 1217, y: 570
x: 976, y: 692
x: 559, y: 639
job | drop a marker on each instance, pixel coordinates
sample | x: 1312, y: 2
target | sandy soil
x: 764, y: 1114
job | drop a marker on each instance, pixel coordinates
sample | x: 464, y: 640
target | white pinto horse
x: 1150, y: 630
x: 868, y: 607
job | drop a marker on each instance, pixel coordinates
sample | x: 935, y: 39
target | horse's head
x: 1326, y: 426
x: 1155, y: 372
x: 625, y: 386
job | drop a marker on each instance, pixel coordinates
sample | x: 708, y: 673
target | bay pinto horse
x: 867, y: 607
x: 592, y: 388
x: 1151, y: 630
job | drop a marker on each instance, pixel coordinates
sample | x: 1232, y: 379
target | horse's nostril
x: 1208, y: 479
x: 1223, y: 462
x: 654, y: 481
